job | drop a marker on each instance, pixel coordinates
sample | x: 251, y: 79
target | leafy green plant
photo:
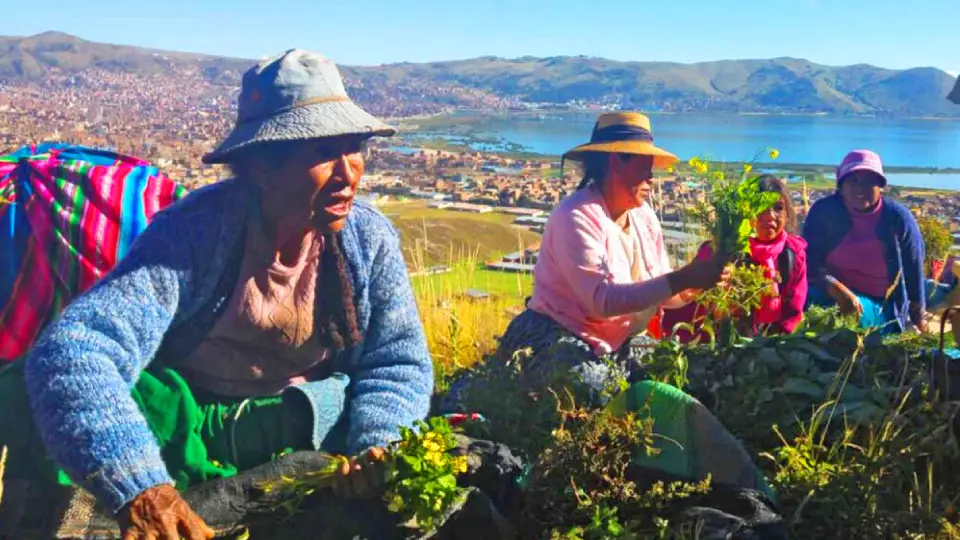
x: 582, y: 485
x: 421, y: 475
x: 937, y: 239
x: 735, y: 201
x: 422, y: 482
x: 732, y: 204
x: 522, y: 410
x: 819, y: 320
x: 667, y: 363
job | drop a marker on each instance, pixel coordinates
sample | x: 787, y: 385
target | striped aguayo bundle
x: 68, y: 214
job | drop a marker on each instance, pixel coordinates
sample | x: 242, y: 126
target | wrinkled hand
x: 160, y: 513
x: 850, y: 304
x: 361, y: 476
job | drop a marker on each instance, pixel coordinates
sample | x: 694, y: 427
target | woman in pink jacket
x: 777, y: 248
x: 602, y: 273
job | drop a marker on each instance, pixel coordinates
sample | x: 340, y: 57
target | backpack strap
x: 785, y: 264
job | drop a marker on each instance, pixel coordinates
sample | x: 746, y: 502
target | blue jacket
x: 80, y: 373
x: 827, y: 225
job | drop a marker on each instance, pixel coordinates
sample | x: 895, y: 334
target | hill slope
x: 775, y: 85
x: 439, y: 237
x: 31, y: 58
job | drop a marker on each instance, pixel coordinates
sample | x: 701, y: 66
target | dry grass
x: 3, y: 467
x: 460, y: 329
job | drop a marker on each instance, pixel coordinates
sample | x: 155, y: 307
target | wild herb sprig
x: 731, y: 204
x: 422, y: 478
x: 421, y: 473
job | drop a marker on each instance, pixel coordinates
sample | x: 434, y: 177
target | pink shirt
x: 265, y: 339
x: 859, y: 262
x: 590, y: 280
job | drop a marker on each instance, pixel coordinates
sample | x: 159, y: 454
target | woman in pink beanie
x: 865, y: 252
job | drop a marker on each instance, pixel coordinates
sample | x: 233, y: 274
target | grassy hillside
x: 773, y: 85
x: 781, y: 84
x: 432, y: 237
x: 460, y: 329
x: 32, y: 57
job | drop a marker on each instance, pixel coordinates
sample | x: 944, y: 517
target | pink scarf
x: 765, y: 253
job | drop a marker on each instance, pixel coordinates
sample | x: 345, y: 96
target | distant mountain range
x: 781, y: 85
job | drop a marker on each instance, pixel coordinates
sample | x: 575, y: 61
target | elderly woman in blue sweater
x: 275, y: 300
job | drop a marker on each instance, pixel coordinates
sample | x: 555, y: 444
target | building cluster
x: 174, y: 117
x: 170, y: 119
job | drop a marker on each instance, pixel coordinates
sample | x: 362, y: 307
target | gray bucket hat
x: 297, y: 95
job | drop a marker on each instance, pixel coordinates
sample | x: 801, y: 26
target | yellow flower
x: 432, y: 446
x: 693, y: 162
x: 459, y: 464
x: 438, y: 505
x: 718, y: 175
x: 434, y: 458
x: 747, y: 168
x: 396, y: 504
x: 701, y: 167
x: 774, y: 153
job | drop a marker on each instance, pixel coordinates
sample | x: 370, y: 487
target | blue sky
x: 886, y: 33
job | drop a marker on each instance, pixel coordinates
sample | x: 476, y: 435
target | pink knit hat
x: 861, y: 160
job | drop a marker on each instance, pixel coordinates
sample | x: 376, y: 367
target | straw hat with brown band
x: 622, y: 133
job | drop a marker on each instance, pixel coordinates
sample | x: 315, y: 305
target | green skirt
x: 693, y: 444
x: 202, y: 437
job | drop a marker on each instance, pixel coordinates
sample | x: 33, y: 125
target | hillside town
x: 172, y: 119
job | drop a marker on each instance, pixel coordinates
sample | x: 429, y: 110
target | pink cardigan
x: 582, y: 279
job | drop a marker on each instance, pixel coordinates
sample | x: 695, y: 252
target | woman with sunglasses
x: 777, y: 248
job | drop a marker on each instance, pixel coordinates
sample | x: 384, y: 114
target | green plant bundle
x: 422, y: 479
x: 735, y: 201
x: 732, y: 204
x: 736, y: 206
x: 420, y: 471
x: 937, y: 239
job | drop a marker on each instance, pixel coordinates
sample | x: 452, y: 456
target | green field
x: 432, y: 236
x: 462, y: 278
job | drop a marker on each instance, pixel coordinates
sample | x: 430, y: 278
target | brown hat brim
x: 661, y: 158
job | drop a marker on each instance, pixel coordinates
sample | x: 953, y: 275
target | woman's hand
x: 160, y: 513
x: 919, y: 319
x: 701, y: 274
x: 849, y: 304
x: 361, y: 476
x: 846, y: 300
x: 689, y: 295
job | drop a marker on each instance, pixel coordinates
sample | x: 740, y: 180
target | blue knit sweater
x: 80, y: 373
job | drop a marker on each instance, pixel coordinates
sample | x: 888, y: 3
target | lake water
x: 814, y: 140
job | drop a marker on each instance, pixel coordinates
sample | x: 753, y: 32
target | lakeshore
x: 917, y: 153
